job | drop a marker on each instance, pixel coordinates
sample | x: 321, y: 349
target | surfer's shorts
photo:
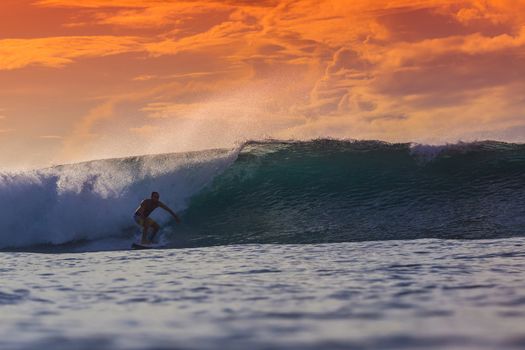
x: 141, y: 222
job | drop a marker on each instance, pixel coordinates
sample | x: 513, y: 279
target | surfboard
x: 137, y: 246
x: 140, y: 246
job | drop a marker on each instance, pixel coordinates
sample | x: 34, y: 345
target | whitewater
x: 283, y: 244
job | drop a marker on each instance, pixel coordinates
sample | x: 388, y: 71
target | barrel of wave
x: 96, y: 199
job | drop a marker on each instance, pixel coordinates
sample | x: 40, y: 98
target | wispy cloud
x: 51, y: 137
x: 59, y: 51
x: 96, y: 3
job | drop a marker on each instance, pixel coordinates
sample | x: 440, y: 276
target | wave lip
x: 275, y: 191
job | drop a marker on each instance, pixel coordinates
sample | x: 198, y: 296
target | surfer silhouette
x: 142, y: 218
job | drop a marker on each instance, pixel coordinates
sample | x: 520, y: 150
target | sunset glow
x: 94, y: 78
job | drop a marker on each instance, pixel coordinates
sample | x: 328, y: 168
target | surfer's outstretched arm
x: 165, y: 207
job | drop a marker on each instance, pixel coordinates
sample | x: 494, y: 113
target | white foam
x: 430, y: 152
x: 95, y: 200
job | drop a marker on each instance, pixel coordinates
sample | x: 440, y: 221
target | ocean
x: 323, y: 244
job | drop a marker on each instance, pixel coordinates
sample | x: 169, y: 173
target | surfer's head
x: 155, y: 196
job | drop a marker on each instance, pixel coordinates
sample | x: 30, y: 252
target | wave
x: 276, y: 192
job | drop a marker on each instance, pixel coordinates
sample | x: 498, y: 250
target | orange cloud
x: 389, y: 69
x: 96, y: 3
x: 51, y: 137
x: 59, y: 51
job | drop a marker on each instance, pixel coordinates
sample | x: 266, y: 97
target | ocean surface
x: 325, y: 244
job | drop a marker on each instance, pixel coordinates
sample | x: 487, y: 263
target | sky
x: 94, y: 79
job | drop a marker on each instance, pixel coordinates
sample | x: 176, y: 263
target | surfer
x: 144, y: 210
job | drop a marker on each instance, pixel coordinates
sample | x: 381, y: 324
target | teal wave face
x: 334, y: 191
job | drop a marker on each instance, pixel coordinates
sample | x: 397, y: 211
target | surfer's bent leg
x: 144, y: 223
x: 145, y: 226
x: 156, y: 228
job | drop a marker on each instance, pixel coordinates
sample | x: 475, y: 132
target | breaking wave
x: 274, y: 192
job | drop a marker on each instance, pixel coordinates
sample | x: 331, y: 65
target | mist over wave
x: 277, y: 192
